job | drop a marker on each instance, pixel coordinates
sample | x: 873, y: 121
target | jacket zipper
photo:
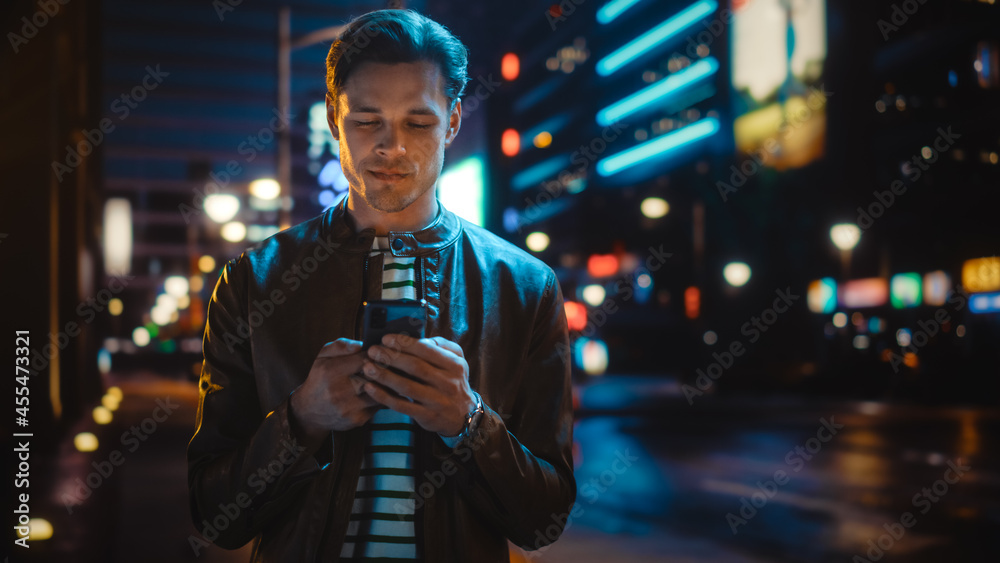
x: 364, y: 297
x: 419, y: 274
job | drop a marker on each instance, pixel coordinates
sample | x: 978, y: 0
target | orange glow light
x: 602, y: 265
x: 510, y: 143
x: 692, y: 302
x: 543, y: 139
x: 981, y: 274
x: 510, y: 66
x: 576, y: 315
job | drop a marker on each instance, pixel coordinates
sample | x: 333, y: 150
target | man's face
x: 393, y: 124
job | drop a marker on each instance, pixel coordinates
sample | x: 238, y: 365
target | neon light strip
x: 553, y: 125
x: 608, y: 12
x: 658, y: 92
x: 537, y: 173
x: 658, y: 147
x: 656, y: 36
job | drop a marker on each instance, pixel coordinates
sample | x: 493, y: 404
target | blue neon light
x: 608, y: 12
x: 537, y: 173
x: 659, y: 92
x: 656, y: 36
x: 984, y: 62
x: 984, y: 303
x: 659, y: 146
x: 553, y: 125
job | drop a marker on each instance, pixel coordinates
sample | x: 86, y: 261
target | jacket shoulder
x: 503, y: 259
x: 284, y: 248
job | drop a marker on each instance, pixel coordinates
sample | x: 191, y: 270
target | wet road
x: 780, y: 479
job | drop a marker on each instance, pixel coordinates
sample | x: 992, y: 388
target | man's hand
x: 330, y: 399
x: 436, y: 394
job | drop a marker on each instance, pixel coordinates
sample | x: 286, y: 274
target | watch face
x: 476, y: 415
x: 472, y: 419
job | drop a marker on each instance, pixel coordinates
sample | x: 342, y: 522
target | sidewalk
x: 153, y: 520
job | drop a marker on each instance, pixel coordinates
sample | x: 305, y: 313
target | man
x: 317, y: 450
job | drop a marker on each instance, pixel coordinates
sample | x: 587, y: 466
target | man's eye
x: 421, y: 126
x: 365, y: 123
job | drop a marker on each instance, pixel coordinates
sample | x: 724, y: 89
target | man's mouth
x: 388, y: 175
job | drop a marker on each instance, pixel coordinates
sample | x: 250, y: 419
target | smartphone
x: 393, y: 317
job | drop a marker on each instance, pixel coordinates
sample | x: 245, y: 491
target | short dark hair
x: 397, y: 36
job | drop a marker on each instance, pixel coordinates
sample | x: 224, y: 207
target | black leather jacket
x: 273, y: 309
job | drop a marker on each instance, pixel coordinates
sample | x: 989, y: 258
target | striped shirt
x: 382, y: 522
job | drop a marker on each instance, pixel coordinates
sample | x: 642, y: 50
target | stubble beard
x: 392, y: 199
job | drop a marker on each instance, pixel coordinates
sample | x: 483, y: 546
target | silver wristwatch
x: 472, y: 419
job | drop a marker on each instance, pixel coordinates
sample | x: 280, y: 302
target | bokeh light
x: 654, y: 207
x: 537, y: 241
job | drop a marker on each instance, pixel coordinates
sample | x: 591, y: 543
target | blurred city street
x: 758, y: 238
x: 658, y: 477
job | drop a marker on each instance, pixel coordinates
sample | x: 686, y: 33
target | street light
x: 234, y: 231
x: 176, y: 286
x: 537, y: 241
x: 117, y: 236
x: 222, y: 207
x: 845, y: 236
x: 737, y: 274
x: 265, y: 188
x: 654, y: 207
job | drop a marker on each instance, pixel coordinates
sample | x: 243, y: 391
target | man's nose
x: 391, y: 142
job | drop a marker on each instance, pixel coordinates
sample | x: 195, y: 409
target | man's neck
x: 414, y: 218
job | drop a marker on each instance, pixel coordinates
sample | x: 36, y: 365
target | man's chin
x: 388, y: 203
x: 391, y: 200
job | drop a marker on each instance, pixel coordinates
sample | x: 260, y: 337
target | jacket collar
x: 442, y: 231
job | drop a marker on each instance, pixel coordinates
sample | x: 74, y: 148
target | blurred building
x: 734, y: 137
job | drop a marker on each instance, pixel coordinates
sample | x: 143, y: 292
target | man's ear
x: 331, y: 116
x: 454, y: 123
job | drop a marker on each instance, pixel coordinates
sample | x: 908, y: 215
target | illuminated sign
x: 602, y: 265
x: 591, y: 355
x: 822, y: 296
x: 981, y: 274
x: 461, y: 190
x: 985, y: 303
x: 778, y: 52
x: 658, y: 147
x: 870, y: 292
x: 660, y: 93
x: 904, y: 290
x: 576, y: 315
x: 319, y: 135
x: 936, y: 287
x: 692, y: 302
x: 656, y: 36
x: 608, y: 12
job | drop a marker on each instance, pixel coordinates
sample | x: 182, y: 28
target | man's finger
x: 398, y: 404
x: 453, y: 347
x: 400, y: 384
x: 358, y: 383
x: 426, y: 349
x: 413, y: 366
x: 339, y: 347
x: 370, y: 404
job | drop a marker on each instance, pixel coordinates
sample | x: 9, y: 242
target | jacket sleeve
x: 244, y: 466
x: 520, y: 473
